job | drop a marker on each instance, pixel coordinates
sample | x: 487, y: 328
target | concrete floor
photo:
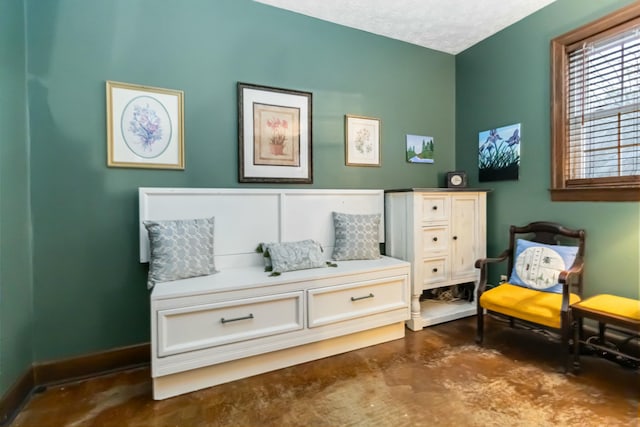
x: 433, y: 377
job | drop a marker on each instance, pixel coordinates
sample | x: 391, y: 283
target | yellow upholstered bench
x: 607, y: 310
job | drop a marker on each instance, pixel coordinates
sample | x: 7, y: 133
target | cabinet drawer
x: 434, y: 270
x: 435, y: 208
x: 435, y: 240
x: 338, y: 303
x: 196, y: 327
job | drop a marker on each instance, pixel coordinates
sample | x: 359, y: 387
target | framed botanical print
x: 274, y: 135
x: 362, y: 141
x: 144, y: 127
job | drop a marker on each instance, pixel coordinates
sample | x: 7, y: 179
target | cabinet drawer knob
x: 455, y: 237
x: 435, y: 239
x: 435, y: 208
x: 364, y: 297
x: 235, y: 319
x: 435, y: 270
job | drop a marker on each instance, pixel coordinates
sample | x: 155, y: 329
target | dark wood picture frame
x: 274, y: 135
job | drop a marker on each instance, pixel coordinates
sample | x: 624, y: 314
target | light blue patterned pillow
x: 537, y: 266
x: 356, y: 236
x: 180, y: 249
x: 290, y: 256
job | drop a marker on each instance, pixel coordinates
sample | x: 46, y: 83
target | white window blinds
x: 604, y: 107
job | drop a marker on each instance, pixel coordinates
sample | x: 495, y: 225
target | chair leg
x: 577, y: 337
x: 480, y: 327
x: 566, y: 349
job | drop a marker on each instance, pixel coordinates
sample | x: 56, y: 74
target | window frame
x: 611, y: 189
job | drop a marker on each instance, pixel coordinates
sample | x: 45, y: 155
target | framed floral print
x: 144, y: 127
x: 362, y: 141
x: 274, y: 135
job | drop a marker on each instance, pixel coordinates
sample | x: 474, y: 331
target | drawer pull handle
x: 435, y: 270
x: 435, y: 208
x: 455, y: 237
x: 223, y: 320
x: 364, y: 297
x: 435, y: 239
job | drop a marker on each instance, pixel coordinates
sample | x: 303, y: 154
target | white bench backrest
x: 246, y: 217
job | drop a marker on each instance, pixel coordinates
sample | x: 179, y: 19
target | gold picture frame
x: 145, y: 126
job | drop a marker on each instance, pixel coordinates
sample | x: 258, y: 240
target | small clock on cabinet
x: 456, y: 179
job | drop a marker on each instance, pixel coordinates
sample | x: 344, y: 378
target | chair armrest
x: 482, y: 262
x: 482, y: 265
x: 566, y: 276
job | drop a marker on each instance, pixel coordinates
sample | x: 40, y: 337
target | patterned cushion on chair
x: 537, y: 266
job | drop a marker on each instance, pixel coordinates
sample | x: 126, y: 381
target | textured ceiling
x: 449, y: 26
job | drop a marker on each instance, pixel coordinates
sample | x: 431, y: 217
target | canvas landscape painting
x: 420, y: 149
x: 499, y: 153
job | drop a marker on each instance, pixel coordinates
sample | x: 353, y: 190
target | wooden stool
x: 607, y: 310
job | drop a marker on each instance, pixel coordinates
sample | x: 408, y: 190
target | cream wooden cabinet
x: 441, y: 232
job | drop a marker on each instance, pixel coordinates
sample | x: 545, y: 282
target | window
x: 596, y: 110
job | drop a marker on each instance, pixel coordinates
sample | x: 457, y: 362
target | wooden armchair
x: 547, y: 279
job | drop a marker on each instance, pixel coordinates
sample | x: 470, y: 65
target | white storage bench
x: 241, y: 321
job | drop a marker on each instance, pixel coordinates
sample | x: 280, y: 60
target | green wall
x: 16, y: 298
x: 77, y: 287
x: 506, y: 79
x: 89, y: 289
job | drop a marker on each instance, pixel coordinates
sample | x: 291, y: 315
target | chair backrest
x: 549, y: 233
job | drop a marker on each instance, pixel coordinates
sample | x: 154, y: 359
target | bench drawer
x: 338, y: 303
x: 192, y: 328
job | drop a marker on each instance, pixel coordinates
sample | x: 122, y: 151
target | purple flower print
x: 146, y: 125
x: 490, y: 143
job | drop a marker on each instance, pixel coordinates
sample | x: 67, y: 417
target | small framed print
x: 274, y: 135
x: 362, y: 141
x: 420, y: 149
x: 145, y: 127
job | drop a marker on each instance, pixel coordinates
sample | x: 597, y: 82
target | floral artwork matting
x: 274, y: 135
x: 362, y: 141
x: 145, y: 126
